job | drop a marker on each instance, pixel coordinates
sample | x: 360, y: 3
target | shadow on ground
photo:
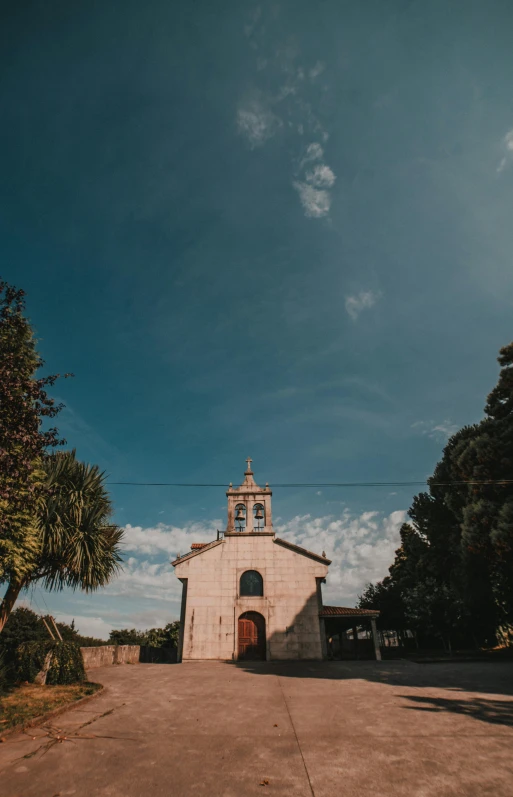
x: 498, y: 712
x: 494, y: 678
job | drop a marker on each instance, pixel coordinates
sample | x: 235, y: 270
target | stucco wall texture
x: 104, y: 655
x: 290, y: 604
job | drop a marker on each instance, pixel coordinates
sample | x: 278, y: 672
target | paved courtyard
x: 323, y: 729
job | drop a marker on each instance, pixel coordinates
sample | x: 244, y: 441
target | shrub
x: 66, y: 667
x: 4, y: 673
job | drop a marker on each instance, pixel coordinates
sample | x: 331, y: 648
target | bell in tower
x: 249, y: 506
x: 240, y: 517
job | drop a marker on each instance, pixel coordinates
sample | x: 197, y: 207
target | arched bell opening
x: 258, y: 517
x: 240, y: 517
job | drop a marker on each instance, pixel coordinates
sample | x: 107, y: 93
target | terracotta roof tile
x: 346, y: 611
x: 197, y: 545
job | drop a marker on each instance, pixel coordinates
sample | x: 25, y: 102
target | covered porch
x: 350, y: 633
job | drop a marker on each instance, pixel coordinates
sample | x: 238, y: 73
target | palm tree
x: 78, y: 546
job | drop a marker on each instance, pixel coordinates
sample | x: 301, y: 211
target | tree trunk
x: 9, y: 599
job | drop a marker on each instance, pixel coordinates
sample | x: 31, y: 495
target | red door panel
x: 251, y: 636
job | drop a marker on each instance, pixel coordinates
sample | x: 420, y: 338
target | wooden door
x: 251, y: 636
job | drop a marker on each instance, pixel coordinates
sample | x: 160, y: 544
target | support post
x: 355, y: 641
x: 55, y: 626
x: 324, y: 643
x: 377, y: 651
x: 181, y: 633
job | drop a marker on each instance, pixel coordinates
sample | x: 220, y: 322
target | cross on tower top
x: 249, y: 461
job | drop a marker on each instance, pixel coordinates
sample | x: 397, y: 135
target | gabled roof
x: 196, y: 552
x: 302, y: 551
x: 202, y: 547
x: 346, y: 611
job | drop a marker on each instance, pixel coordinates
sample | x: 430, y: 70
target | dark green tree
x: 453, y: 574
x: 24, y: 407
x: 166, y: 637
x: 127, y: 636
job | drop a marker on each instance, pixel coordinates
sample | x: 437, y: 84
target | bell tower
x: 249, y: 506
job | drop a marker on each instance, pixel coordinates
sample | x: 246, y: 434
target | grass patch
x: 23, y: 703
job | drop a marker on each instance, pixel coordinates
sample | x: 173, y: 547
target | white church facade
x: 249, y: 594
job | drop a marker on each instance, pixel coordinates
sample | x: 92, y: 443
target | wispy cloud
x: 253, y: 19
x: 359, y: 302
x: 507, y: 144
x: 316, y: 70
x: 440, y: 431
x: 317, y: 179
x: 313, y: 152
x: 77, y: 430
x: 361, y: 547
x: 288, y: 108
x: 257, y: 122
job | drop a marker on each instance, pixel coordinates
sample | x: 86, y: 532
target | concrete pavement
x: 317, y: 728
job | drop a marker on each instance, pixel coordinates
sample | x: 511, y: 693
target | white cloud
x: 361, y: 547
x: 507, y: 143
x: 257, y: 122
x: 321, y: 176
x: 167, y: 539
x: 437, y: 431
x: 313, y: 152
x: 362, y: 301
x: 317, y: 69
x: 316, y: 202
x: 313, y: 187
x: 87, y: 626
x: 153, y: 580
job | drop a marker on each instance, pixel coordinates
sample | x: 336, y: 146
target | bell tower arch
x: 249, y: 506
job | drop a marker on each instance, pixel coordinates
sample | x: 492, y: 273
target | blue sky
x: 283, y: 230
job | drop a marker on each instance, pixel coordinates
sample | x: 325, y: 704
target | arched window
x: 240, y: 517
x: 258, y: 517
x: 251, y: 584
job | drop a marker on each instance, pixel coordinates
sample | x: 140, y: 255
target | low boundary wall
x: 104, y: 655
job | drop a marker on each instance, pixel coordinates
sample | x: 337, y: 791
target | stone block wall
x: 289, y: 606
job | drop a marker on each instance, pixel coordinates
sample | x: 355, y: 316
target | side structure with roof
x: 250, y: 595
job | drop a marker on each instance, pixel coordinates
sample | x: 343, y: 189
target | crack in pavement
x: 54, y: 735
x: 295, y: 734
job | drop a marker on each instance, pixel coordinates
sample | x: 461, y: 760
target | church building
x: 250, y: 594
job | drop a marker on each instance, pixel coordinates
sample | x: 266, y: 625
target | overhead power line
x: 325, y: 484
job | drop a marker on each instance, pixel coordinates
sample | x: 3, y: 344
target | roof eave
x: 302, y: 551
x: 191, y: 554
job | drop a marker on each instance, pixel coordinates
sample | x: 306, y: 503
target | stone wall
x: 290, y: 604
x: 105, y: 655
